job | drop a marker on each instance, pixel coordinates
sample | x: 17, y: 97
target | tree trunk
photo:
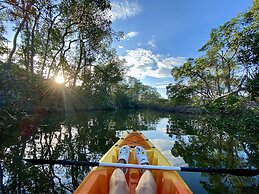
x: 47, y: 42
x: 10, y: 56
x: 26, y: 48
x: 63, y: 41
x: 32, y: 44
x: 79, y: 62
x: 228, y: 77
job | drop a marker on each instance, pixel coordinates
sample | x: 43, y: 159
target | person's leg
x: 146, y: 184
x: 118, y: 183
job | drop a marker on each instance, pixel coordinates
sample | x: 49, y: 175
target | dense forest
x: 43, y: 40
x: 71, y: 39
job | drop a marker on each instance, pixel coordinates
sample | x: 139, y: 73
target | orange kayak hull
x: 168, y: 182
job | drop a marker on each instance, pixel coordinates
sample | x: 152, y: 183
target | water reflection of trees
x: 83, y: 136
x: 216, y: 141
x: 220, y: 142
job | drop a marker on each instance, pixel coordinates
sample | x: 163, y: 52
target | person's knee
x: 148, y: 174
x: 118, y: 183
x: 118, y: 173
x: 118, y: 177
x: 145, y: 188
x: 148, y: 177
x: 146, y: 184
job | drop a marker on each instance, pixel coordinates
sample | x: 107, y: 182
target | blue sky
x: 161, y: 34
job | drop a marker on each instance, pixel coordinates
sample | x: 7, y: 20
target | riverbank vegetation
x: 227, y: 72
x: 61, y: 60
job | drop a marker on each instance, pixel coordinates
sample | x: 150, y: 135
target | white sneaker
x: 141, y: 155
x: 124, y: 154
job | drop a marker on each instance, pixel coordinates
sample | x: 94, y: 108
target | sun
x: 60, y: 79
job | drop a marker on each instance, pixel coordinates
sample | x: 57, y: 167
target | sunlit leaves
x: 231, y: 56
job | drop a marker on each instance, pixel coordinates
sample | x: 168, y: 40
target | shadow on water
x: 218, y: 142
x: 82, y: 136
x: 201, y: 141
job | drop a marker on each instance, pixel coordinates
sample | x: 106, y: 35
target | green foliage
x: 66, y: 36
x: 231, y: 105
x: 69, y: 38
x: 139, y: 93
x: 121, y: 96
x: 3, y: 40
x: 252, y: 86
x: 17, y: 89
x: 180, y: 94
x: 250, y: 37
x: 231, y: 49
x: 232, y: 99
x: 216, y: 106
x: 105, y: 76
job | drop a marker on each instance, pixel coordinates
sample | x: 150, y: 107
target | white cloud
x: 142, y: 63
x: 152, y: 43
x: 130, y: 35
x: 123, y: 9
x: 162, y: 84
x: 120, y: 47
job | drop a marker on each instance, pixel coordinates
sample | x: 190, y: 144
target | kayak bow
x: 97, y: 181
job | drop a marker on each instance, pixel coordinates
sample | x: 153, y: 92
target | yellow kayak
x: 97, y: 181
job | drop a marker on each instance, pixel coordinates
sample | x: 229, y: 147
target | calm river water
x: 194, y: 141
